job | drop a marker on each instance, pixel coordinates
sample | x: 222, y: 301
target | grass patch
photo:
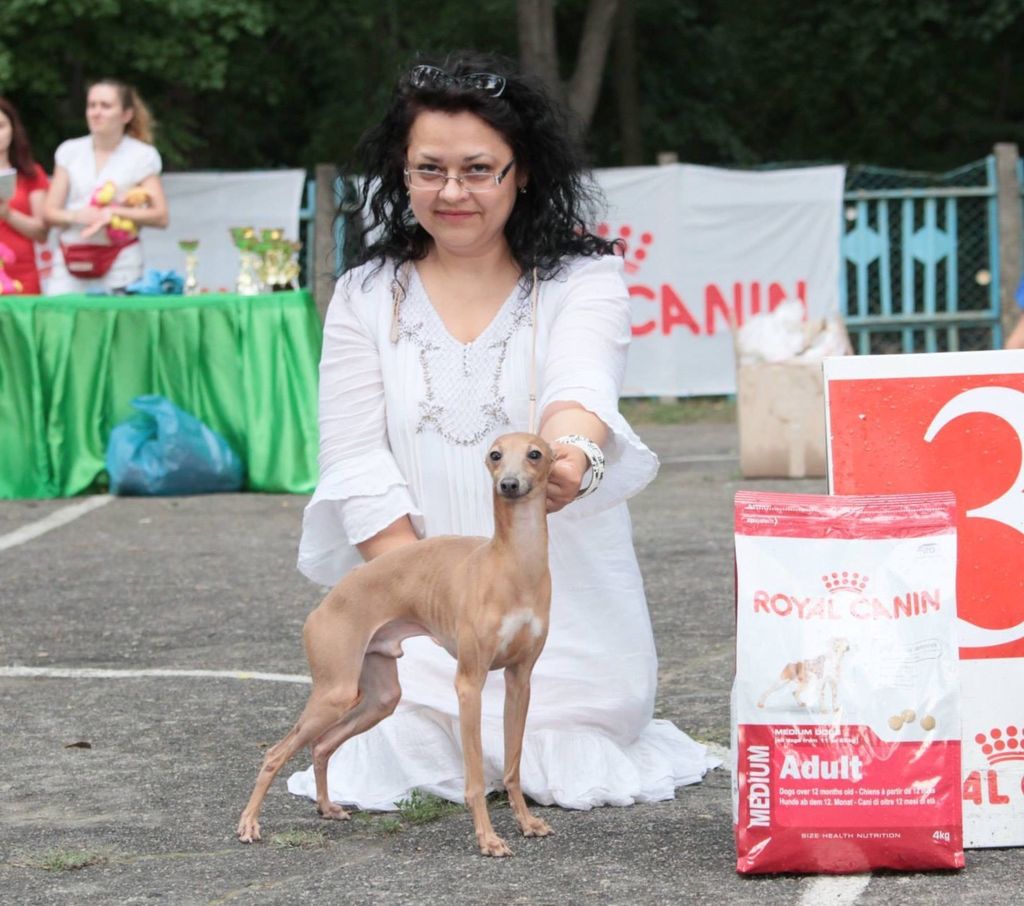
x: 68, y: 859
x: 377, y: 823
x: 683, y: 411
x: 299, y: 839
x: 421, y: 808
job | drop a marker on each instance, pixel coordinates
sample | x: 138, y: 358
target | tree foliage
x: 923, y: 84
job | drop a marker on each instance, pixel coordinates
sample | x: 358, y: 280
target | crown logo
x: 1001, y: 744
x: 634, y: 254
x: 844, y: 581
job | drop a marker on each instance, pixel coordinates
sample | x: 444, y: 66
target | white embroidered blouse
x: 404, y: 426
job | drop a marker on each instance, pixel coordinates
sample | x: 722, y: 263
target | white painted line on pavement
x: 55, y: 520
x: 167, y: 672
x: 835, y: 890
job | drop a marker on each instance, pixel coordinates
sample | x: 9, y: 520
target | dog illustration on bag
x: 825, y: 670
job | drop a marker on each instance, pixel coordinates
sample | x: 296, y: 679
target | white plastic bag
x: 783, y: 335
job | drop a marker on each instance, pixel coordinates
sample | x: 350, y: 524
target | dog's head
x: 519, y: 465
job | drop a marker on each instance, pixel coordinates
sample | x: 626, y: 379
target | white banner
x: 706, y: 247
x: 205, y: 206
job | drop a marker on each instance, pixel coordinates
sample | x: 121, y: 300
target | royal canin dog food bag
x: 845, y: 705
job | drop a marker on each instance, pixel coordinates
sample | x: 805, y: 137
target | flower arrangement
x: 8, y: 285
x: 120, y: 230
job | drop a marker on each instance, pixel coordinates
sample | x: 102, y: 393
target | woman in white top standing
x: 476, y: 194
x: 118, y: 151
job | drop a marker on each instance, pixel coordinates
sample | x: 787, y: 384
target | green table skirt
x: 70, y: 366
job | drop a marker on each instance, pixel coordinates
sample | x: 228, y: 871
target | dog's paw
x: 248, y: 830
x: 493, y: 845
x: 332, y: 812
x: 534, y: 827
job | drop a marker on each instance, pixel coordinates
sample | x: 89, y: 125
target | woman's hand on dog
x: 566, y: 475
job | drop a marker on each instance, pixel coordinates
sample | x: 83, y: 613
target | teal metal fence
x: 307, y: 230
x: 921, y: 257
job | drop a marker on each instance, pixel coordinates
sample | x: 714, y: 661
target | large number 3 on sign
x: 1007, y: 404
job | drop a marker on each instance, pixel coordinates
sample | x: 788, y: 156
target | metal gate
x: 921, y: 258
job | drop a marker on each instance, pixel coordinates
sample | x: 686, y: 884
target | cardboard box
x: 781, y: 414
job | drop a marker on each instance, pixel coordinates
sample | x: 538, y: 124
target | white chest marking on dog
x: 512, y: 623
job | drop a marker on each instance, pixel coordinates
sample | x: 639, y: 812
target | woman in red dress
x: 21, y: 215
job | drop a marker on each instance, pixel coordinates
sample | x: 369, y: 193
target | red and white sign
x: 706, y: 248
x: 955, y: 421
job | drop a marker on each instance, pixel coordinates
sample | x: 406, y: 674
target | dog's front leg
x: 469, y: 683
x: 517, y: 702
x: 834, y: 687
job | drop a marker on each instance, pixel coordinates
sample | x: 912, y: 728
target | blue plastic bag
x: 163, y: 450
x: 157, y: 283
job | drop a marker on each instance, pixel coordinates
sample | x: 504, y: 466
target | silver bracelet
x: 594, y: 455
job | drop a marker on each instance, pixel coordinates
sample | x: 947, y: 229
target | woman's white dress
x: 404, y: 429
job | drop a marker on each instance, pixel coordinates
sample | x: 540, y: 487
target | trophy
x: 248, y: 282
x: 189, y: 247
x: 280, y: 266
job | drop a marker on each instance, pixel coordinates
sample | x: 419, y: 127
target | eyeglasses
x: 474, y: 181
x: 432, y: 77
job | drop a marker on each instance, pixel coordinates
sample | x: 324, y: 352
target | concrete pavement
x: 208, y: 584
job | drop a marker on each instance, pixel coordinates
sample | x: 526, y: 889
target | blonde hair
x: 141, y: 125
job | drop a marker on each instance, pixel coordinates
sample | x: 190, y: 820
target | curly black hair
x: 547, y: 225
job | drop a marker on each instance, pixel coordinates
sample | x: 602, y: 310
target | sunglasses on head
x: 432, y: 77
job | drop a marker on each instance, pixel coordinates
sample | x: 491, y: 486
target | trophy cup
x: 280, y: 260
x: 189, y: 247
x: 248, y: 282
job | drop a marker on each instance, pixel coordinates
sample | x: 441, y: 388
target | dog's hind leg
x: 324, y: 709
x: 783, y: 681
x: 517, y: 701
x: 379, y: 693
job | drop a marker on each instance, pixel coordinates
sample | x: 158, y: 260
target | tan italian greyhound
x: 486, y: 601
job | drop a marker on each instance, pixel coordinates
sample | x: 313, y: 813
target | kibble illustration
x: 908, y: 716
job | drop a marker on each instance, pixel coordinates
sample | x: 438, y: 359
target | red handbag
x: 87, y: 261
